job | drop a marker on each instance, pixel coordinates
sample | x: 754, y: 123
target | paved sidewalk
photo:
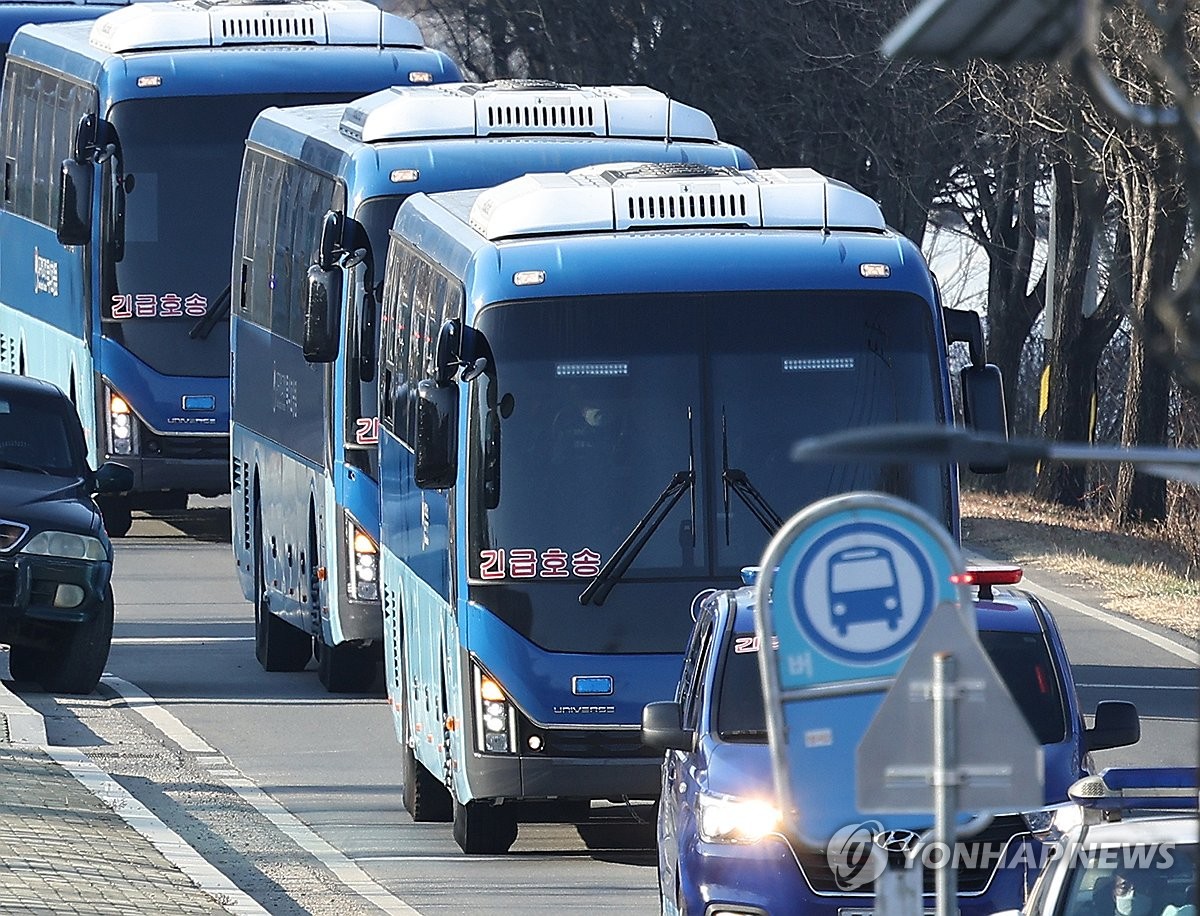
x: 63, y: 852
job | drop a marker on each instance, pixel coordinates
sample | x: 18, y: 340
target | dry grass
x: 1142, y: 573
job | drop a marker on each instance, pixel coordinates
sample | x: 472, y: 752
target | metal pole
x: 945, y: 780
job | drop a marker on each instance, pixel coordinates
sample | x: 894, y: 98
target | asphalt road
x: 294, y: 794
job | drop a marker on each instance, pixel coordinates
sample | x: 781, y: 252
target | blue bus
x: 305, y: 501
x: 587, y: 405
x: 122, y: 143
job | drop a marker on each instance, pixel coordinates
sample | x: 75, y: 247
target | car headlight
x: 363, y: 581
x: 65, y: 544
x: 736, y: 820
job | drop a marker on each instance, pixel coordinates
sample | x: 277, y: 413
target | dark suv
x: 56, y: 603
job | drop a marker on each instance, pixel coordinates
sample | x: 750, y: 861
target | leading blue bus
x: 305, y: 502
x: 122, y: 142
x: 586, y: 417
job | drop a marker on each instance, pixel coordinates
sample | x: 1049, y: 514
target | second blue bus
x: 329, y: 179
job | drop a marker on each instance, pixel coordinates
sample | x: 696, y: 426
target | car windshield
x: 35, y: 438
x: 1022, y: 660
x: 180, y: 198
x: 1141, y: 880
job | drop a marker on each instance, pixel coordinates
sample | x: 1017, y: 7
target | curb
x: 19, y: 724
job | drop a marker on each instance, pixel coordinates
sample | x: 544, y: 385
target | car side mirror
x: 111, y: 477
x: 661, y: 728
x: 1116, y: 725
x: 435, y: 465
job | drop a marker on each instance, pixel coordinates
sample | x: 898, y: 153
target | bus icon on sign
x: 863, y: 588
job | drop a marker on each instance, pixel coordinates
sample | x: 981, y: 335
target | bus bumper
x: 532, y: 778
x: 204, y: 476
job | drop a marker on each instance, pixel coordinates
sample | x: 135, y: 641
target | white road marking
x: 1143, y: 686
x: 198, y: 869
x: 348, y: 873
x: 176, y: 640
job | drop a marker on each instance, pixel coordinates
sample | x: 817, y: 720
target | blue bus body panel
x: 286, y: 392
x: 527, y: 670
x: 160, y: 398
x: 44, y: 279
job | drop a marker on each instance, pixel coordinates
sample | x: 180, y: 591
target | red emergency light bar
x: 984, y: 577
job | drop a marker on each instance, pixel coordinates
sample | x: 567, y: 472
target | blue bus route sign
x: 846, y: 587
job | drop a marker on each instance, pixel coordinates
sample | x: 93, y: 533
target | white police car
x: 1126, y: 845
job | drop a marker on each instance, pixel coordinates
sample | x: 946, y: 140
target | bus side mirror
x: 322, y: 314
x: 984, y: 411
x: 330, y: 242
x: 75, y: 203
x: 435, y: 465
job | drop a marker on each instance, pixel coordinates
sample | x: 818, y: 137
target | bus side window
x: 387, y: 339
x: 263, y: 274
x: 243, y: 254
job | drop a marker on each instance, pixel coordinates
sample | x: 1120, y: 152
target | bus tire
x: 424, y: 796
x: 278, y: 645
x: 117, y: 513
x: 76, y: 659
x: 481, y: 828
x: 345, y: 668
x: 25, y: 663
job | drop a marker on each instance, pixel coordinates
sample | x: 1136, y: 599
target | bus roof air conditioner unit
x: 523, y: 107
x: 614, y: 198
x: 212, y: 23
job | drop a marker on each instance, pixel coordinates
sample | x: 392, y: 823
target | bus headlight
x: 736, y: 820
x: 363, y: 581
x: 495, y: 717
x: 122, y: 430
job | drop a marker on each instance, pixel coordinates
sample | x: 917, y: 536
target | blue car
x: 721, y: 849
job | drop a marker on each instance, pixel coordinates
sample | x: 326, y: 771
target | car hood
x: 47, y: 503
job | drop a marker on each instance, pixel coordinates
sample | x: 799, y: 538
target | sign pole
x: 945, y: 778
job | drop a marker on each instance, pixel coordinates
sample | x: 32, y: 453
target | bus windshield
x: 594, y: 406
x: 180, y: 159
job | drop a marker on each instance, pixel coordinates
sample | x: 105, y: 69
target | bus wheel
x: 76, y: 661
x: 424, y: 796
x: 117, y: 513
x: 484, y: 829
x: 345, y: 668
x: 278, y: 645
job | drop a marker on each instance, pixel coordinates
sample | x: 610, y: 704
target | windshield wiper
x: 17, y: 466
x: 597, y: 590
x: 735, y: 479
x: 202, y: 328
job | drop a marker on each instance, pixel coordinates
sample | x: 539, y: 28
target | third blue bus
x: 122, y: 141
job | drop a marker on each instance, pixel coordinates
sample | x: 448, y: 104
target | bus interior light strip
x: 572, y: 370
x: 817, y: 363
